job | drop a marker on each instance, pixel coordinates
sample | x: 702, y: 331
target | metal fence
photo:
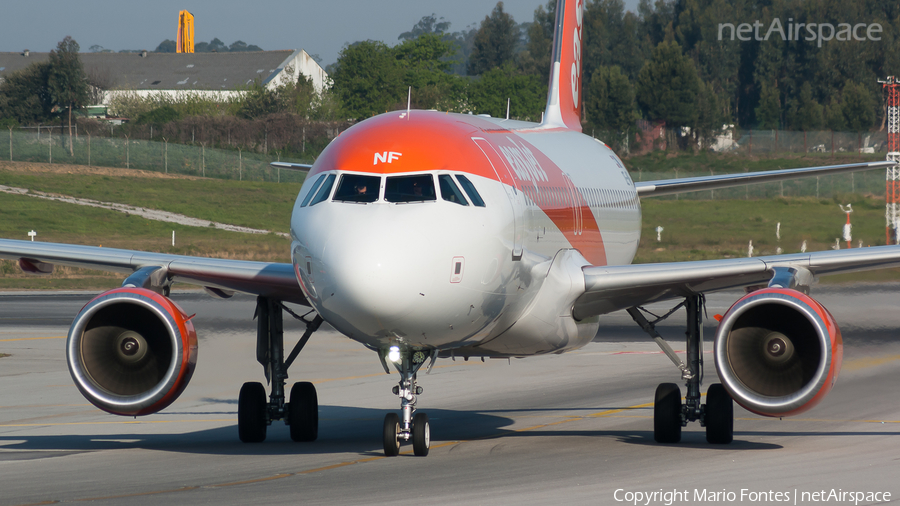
x: 51, y: 145
x: 758, y: 142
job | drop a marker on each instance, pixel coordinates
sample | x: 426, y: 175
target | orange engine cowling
x: 778, y: 352
x: 131, y: 351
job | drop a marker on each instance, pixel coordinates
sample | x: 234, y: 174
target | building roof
x: 170, y: 71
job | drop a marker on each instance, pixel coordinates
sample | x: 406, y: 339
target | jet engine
x: 131, y: 351
x: 778, y: 352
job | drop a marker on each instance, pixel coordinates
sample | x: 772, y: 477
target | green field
x: 694, y: 229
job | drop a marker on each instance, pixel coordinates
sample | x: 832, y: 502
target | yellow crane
x: 185, y: 42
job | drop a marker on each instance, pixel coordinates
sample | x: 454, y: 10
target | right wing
x: 220, y: 276
x: 611, y: 288
x: 304, y: 167
x: 691, y: 184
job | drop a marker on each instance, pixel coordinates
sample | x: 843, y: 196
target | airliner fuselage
x: 434, y: 230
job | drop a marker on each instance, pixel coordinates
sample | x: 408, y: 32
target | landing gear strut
x: 669, y: 413
x: 255, y: 412
x: 406, y: 426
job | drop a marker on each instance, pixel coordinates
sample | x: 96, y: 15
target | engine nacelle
x: 778, y: 352
x: 131, y: 351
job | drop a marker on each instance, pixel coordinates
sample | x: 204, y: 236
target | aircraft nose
x: 373, y: 280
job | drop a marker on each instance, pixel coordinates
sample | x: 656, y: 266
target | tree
x: 834, y: 116
x: 217, y: 45
x: 768, y: 112
x: 427, y: 61
x: 495, y: 42
x: 427, y: 25
x: 67, y: 82
x: 667, y: 87
x: 368, y: 79
x: 806, y: 114
x: 858, y: 107
x: 539, y: 49
x: 166, y: 46
x: 609, y: 100
x: 24, y: 96
x: 259, y: 101
x: 527, y: 95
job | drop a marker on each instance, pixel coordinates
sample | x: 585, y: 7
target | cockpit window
x: 324, y: 191
x: 449, y: 191
x: 409, y: 189
x: 356, y: 188
x: 312, y: 190
x: 470, y: 190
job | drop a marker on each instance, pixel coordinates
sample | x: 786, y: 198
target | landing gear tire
x: 304, y: 412
x: 252, y: 416
x: 667, y: 414
x: 421, y: 434
x: 719, y: 415
x: 391, y: 435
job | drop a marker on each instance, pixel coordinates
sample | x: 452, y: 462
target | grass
x: 247, y: 203
x: 67, y: 223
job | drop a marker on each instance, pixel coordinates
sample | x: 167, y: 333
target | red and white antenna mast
x: 891, y: 87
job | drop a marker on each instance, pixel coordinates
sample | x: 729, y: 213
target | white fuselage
x: 468, y: 278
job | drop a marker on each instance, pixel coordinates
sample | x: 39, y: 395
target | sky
x: 320, y: 27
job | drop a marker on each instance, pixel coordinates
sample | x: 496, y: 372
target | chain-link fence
x: 50, y: 144
x: 768, y: 142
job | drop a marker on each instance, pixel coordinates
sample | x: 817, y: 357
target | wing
x: 612, y: 288
x: 690, y: 184
x: 220, y: 276
x: 291, y: 166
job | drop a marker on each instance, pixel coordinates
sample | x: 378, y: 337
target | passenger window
x: 449, y: 191
x: 409, y: 189
x: 470, y: 191
x: 312, y: 190
x: 324, y: 191
x: 356, y: 188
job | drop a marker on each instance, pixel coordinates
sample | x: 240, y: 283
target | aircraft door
x: 513, y: 192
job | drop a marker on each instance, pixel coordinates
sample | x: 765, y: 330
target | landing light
x: 394, y: 354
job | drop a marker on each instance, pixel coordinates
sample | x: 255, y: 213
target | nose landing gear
x: 409, y: 425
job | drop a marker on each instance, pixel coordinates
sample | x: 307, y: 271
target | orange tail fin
x: 564, y: 98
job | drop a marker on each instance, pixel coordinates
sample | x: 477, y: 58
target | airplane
x: 426, y: 235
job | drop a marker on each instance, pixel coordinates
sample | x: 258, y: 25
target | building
x: 148, y: 73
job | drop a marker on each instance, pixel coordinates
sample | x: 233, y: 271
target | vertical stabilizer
x: 564, y: 98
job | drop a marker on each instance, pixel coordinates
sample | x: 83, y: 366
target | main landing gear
x: 255, y: 412
x: 398, y: 429
x: 669, y: 413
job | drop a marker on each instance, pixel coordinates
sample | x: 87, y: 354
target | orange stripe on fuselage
x: 422, y: 141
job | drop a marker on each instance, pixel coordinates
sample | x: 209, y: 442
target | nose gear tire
x: 391, y: 435
x: 421, y: 435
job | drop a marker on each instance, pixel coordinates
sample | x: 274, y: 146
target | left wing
x: 611, y: 288
x: 154, y: 270
x: 691, y: 184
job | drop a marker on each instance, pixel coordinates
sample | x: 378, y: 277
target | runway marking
x: 30, y: 339
x: 865, y: 363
